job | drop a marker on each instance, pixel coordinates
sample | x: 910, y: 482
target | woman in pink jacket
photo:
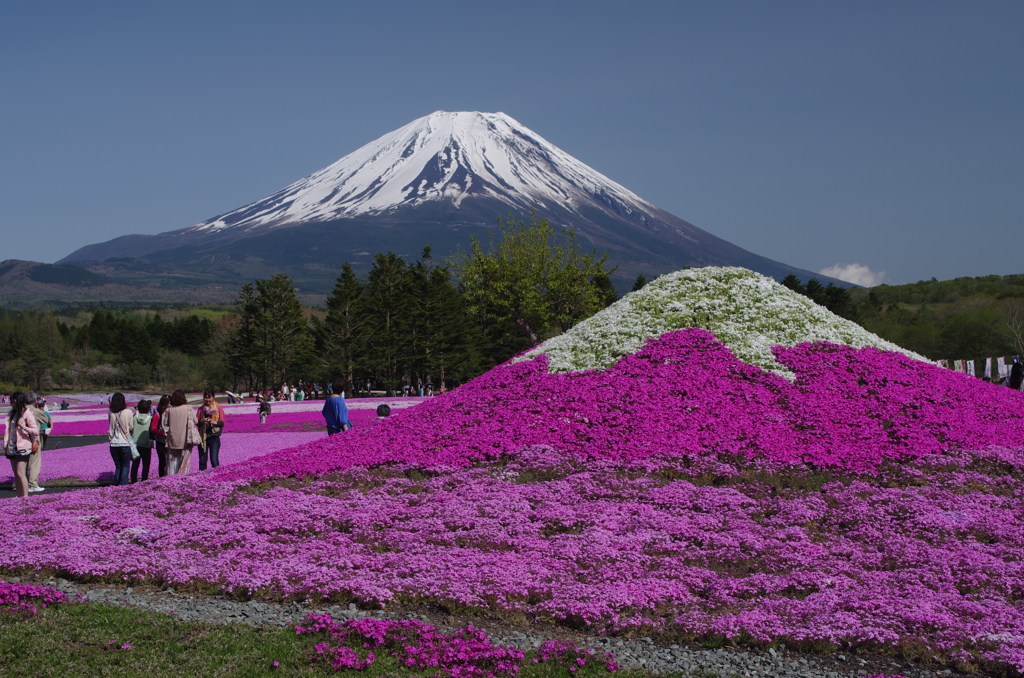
x: 21, y: 439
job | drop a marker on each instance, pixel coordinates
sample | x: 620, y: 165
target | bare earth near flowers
x: 833, y: 497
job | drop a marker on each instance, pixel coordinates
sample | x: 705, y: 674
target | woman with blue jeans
x: 119, y: 433
x: 211, y: 423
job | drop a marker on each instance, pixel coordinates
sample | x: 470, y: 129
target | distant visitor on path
x: 141, y: 423
x: 263, y: 408
x: 21, y: 441
x: 176, y: 422
x: 335, y: 410
x: 119, y: 434
x: 211, y: 425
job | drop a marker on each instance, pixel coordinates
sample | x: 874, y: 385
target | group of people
x: 423, y: 390
x: 173, y: 428
x: 301, y: 391
x: 28, y: 425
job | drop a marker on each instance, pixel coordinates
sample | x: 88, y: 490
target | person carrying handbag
x: 21, y: 440
x: 119, y: 433
x: 211, y: 425
x: 179, y: 424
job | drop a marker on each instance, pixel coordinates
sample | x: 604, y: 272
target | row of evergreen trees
x: 834, y: 298
x: 404, y: 323
x: 107, y: 350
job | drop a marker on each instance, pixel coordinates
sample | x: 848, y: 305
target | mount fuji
x: 435, y: 182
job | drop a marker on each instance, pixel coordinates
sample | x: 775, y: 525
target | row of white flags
x: 1001, y: 371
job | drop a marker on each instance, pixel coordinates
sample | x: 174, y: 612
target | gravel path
x: 643, y: 653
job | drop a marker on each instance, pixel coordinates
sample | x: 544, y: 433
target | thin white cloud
x: 855, y: 273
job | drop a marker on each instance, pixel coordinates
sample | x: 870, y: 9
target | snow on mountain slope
x: 442, y: 156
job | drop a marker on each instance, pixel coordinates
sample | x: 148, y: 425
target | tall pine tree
x: 273, y: 334
x: 387, y: 309
x: 341, y: 337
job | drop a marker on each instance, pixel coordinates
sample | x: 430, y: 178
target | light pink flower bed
x: 92, y: 463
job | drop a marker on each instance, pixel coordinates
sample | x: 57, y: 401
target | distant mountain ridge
x: 433, y: 182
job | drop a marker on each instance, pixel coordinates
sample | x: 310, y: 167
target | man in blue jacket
x: 335, y: 410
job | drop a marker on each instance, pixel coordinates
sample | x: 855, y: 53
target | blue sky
x: 889, y: 135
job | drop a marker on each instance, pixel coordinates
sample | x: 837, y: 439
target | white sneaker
x: 36, y: 489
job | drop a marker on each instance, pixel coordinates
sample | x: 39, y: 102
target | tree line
x: 962, y: 319
x: 402, y: 323
x: 101, y: 348
x: 428, y: 321
x: 423, y: 322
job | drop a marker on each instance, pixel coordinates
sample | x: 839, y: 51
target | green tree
x: 839, y: 301
x: 341, y: 335
x: 273, y: 334
x: 445, y: 338
x: 793, y: 282
x: 541, y: 282
x: 387, y: 313
x: 639, y: 283
x: 815, y: 291
x: 605, y: 289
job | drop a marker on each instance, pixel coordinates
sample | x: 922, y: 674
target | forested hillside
x: 404, y: 323
x: 961, y: 319
x: 401, y: 324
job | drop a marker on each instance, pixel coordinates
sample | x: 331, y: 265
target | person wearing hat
x: 35, y: 462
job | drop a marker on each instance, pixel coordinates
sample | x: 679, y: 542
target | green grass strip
x: 87, y: 640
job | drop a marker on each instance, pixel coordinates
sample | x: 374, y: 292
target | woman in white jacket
x: 119, y: 433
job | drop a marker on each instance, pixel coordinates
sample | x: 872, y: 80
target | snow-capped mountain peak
x: 444, y: 156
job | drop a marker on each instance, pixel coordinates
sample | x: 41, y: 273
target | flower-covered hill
x: 862, y: 498
x: 748, y: 312
x: 683, y: 390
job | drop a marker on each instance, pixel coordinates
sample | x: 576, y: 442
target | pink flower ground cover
x: 874, y: 501
x: 27, y: 599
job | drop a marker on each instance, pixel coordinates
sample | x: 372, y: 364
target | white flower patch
x: 747, y: 311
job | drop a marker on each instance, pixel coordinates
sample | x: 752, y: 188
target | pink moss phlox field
x: 28, y: 598
x: 874, y: 501
x: 465, y: 653
x: 686, y: 392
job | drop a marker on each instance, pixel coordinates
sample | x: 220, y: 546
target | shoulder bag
x: 192, y: 437
x: 131, y: 442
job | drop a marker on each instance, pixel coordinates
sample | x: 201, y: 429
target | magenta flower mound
x: 466, y: 653
x: 28, y: 598
x: 873, y: 500
x: 687, y: 393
